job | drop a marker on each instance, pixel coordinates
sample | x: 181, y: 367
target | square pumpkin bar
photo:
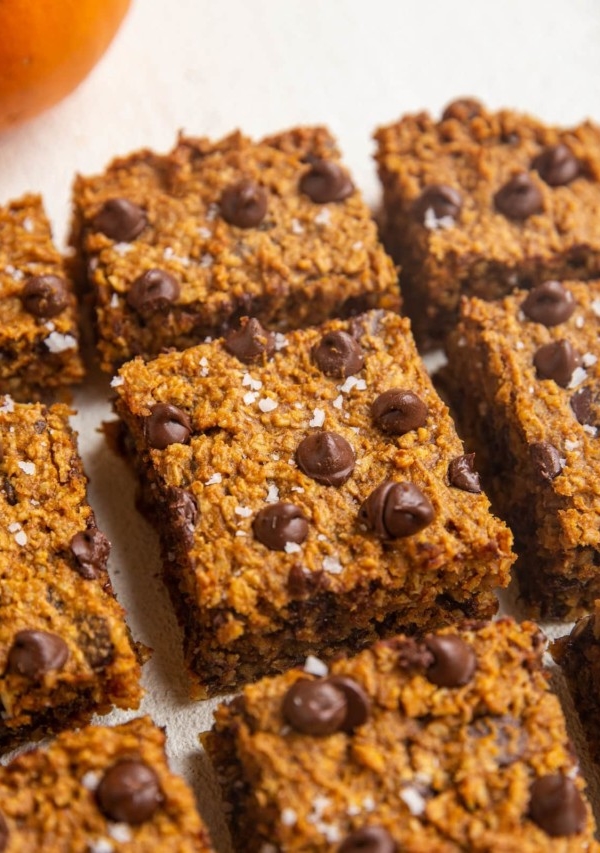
x: 311, y: 494
x: 446, y: 744
x: 179, y: 247
x: 479, y: 203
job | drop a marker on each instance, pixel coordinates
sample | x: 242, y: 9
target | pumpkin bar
x: 100, y: 790
x: 524, y: 378
x: 311, y: 494
x: 39, y: 335
x: 449, y: 743
x: 480, y: 203
x: 65, y: 651
x: 578, y: 654
x: 181, y: 246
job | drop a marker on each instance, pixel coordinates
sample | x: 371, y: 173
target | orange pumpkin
x: 47, y: 47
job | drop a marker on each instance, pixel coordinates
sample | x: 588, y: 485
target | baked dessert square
x: 578, y: 654
x: 101, y: 789
x: 39, y: 334
x: 65, y: 650
x: 480, y: 203
x: 311, y: 494
x: 179, y: 247
x: 447, y: 743
x: 523, y: 376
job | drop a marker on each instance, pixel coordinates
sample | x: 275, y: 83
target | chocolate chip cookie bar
x: 579, y: 656
x: 447, y: 743
x: 479, y: 203
x: 65, y: 651
x: 523, y: 376
x: 99, y: 790
x: 39, y: 335
x: 179, y: 247
x: 311, y: 494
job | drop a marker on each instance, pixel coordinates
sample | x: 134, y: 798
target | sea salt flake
x: 297, y: 227
x: 59, y: 343
x: 332, y: 565
x: 249, y: 397
x: 90, y: 780
x: 357, y: 246
x: 595, y: 306
x: 33, y: 502
x: 414, y: 800
x: 432, y: 222
x: 338, y: 402
x: 206, y: 261
x: 254, y: 384
x: 13, y: 527
x: 122, y: 248
x: 589, y: 359
x: 14, y: 273
x: 519, y: 345
x: 272, y: 494
x: 243, y: 511
x: 591, y: 430
x: 120, y: 832
x: 291, y: 548
x: 318, y: 418
x: 49, y: 325
x: 323, y: 217
x: 21, y: 538
x: 353, y: 810
x: 352, y: 382
x: 101, y: 845
x: 579, y: 322
x: 114, y: 301
x: 205, y: 233
x: 579, y: 375
x: 280, y: 341
x: 28, y: 225
x: 368, y: 804
x: 116, y: 381
x: 289, y: 817
x: 240, y: 533
x: 275, y: 457
x: 27, y: 467
x: 315, y: 666
x: 214, y: 479
x: 298, y: 489
x: 571, y: 445
x: 266, y: 404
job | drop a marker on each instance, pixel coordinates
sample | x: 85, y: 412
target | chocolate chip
x: 129, y: 792
x: 184, y: 512
x: 394, y: 510
x: 462, y: 475
x: 33, y: 653
x: 326, y: 457
x: 153, y: 292
x: 581, y: 403
x: 442, y: 200
x: 120, y: 219
x: 315, y: 707
x: 369, y: 839
x: 251, y: 342
x: 10, y: 492
x: 557, y: 360
x: 549, y: 303
x: 454, y: 660
x: 279, y: 523
x: 326, y: 181
x: 519, y: 198
x: 398, y: 411
x: 91, y: 549
x: 358, y: 705
x: 557, y: 806
x: 545, y: 459
x: 557, y: 165
x: 462, y: 109
x: 338, y: 354
x: 165, y: 425
x: 45, y: 296
x: 4, y: 833
x: 244, y: 204
x: 412, y: 654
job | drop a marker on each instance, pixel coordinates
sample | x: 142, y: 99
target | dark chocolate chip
x: 33, y: 653
x: 549, y: 303
x: 557, y: 165
x: 165, y: 425
x: 338, y: 354
x: 244, y: 204
x: 326, y: 181
x: 315, y: 707
x: 91, y: 549
x: 153, y: 292
x: 412, y: 654
x: 277, y: 524
x: 442, y: 200
x: 462, y: 474
x: 545, y: 459
x: 184, y: 511
x: 557, y: 360
x: 10, y: 492
x: 557, y: 806
x: 368, y: 839
x: 45, y: 296
x: 454, y: 660
x: 398, y: 411
x: 394, y: 510
x: 120, y: 219
x: 251, y: 342
x: 462, y: 109
x: 519, y: 198
x: 358, y: 705
x: 129, y: 792
x: 581, y: 403
x: 326, y: 457
x: 4, y: 833
x: 302, y: 583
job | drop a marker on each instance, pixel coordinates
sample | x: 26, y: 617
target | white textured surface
x: 263, y: 65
